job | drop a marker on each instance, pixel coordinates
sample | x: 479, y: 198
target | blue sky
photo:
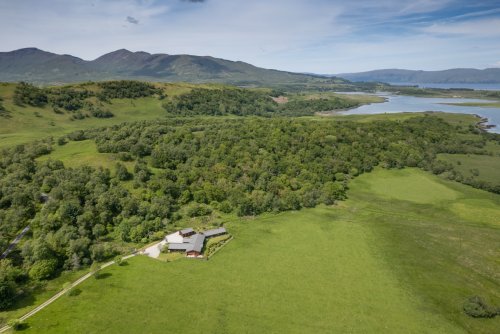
x: 321, y: 36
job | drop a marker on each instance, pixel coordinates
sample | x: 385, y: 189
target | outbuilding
x: 186, y: 232
x: 215, y: 232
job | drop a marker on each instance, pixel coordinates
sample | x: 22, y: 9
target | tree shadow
x: 22, y: 327
x: 5, y: 114
x: 74, y: 292
x: 23, y: 300
x: 103, y: 275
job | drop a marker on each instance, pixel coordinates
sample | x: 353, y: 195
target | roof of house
x: 178, y: 246
x: 195, y: 243
x: 217, y: 231
x: 186, y: 230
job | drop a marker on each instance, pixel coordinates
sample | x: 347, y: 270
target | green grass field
x: 79, y: 153
x: 401, y: 255
x: 24, y: 124
x: 486, y: 167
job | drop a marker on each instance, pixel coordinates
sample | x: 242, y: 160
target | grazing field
x: 27, y: 123
x: 480, y: 167
x: 80, y: 153
x: 387, y: 260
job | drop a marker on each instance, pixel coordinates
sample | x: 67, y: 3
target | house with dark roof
x: 192, y: 242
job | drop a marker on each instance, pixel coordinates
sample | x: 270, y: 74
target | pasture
x: 481, y: 167
x: 390, y: 259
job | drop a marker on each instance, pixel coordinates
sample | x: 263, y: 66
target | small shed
x: 215, y: 232
x: 186, y: 232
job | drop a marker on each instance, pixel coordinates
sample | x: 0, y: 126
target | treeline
x: 126, y: 89
x: 244, y: 102
x: 186, y: 168
x: 76, y: 100
x: 219, y: 102
x: 310, y: 107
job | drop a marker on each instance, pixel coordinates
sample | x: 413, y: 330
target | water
x: 451, y: 85
x: 400, y: 103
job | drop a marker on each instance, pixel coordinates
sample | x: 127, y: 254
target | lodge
x: 190, y: 242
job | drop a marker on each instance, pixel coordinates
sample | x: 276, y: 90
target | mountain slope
x: 39, y: 66
x: 457, y: 75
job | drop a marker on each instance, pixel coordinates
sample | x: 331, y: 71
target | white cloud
x: 480, y: 27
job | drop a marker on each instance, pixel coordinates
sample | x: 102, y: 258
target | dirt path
x: 61, y: 293
x: 14, y: 243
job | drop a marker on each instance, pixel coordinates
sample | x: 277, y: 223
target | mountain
x: 456, y: 75
x: 34, y: 65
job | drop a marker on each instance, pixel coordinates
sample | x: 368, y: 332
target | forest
x: 244, y: 102
x: 189, y: 167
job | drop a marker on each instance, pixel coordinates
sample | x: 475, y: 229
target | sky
x: 317, y: 36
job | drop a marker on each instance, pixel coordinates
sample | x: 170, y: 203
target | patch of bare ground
x: 280, y: 99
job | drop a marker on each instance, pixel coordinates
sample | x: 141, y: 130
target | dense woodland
x: 243, y: 102
x: 188, y: 167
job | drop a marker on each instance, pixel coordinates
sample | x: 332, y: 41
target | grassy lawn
x: 487, y: 167
x: 24, y: 124
x: 29, y: 123
x: 41, y: 294
x: 79, y: 153
x: 400, y: 256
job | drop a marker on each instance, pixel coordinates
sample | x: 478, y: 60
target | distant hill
x: 34, y: 65
x: 456, y: 75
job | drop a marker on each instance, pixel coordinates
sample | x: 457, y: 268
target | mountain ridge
x: 43, y: 67
x: 454, y: 75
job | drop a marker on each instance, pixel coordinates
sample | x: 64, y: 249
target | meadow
x: 28, y: 123
x: 481, y: 167
x: 401, y: 255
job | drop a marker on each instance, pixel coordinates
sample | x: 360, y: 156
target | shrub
x: 77, y: 135
x: 43, y: 269
x: 122, y: 173
x: 476, y: 307
x: 17, y: 324
x: 119, y: 260
x: 100, y: 113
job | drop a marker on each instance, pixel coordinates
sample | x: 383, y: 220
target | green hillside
x: 108, y: 167
x: 63, y: 111
x: 380, y: 262
x: 42, y: 67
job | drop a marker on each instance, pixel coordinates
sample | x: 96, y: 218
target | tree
x: 94, y: 269
x: 43, y: 269
x: 7, y: 292
x: 122, y: 173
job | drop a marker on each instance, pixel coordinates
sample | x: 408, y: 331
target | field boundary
x: 220, y: 247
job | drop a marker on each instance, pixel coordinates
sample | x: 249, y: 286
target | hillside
x: 457, y: 75
x: 37, y: 66
x: 28, y: 112
x: 129, y: 161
